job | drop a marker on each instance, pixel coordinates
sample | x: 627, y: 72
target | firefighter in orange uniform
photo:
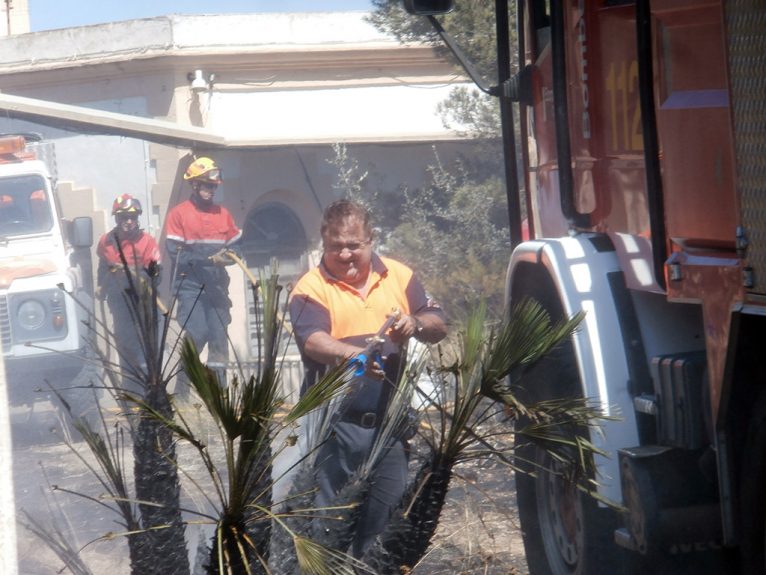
x: 199, y: 233
x: 142, y: 256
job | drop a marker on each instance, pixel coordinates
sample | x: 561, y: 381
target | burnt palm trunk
x: 336, y: 528
x: 412, y: 526
x: 230, y: 548
x: 258, y: 524
x: 244, y: 533
x: 256, y: 455
x: 160, y: 548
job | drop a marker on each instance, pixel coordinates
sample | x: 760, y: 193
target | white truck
x: 43, y: 330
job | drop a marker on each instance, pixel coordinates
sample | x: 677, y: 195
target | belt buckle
x: 368, y: 419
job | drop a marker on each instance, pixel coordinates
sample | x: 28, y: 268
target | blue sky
x: 50, y: 14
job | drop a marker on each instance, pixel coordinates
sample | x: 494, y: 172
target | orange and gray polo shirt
x: 320, y: 302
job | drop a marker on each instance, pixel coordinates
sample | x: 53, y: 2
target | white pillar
x: 18, y: 19
x: 8, y: 559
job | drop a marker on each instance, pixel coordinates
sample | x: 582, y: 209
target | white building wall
x: 370, y: 113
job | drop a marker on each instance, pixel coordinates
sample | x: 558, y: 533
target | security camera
x: 198, y: 81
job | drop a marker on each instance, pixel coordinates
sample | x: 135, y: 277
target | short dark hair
x: 341, y: 211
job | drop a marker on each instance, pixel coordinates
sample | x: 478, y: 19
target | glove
x: 220, y: 258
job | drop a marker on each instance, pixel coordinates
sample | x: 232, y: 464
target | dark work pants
x: 206, y: 324
x: 128, y: 342
x: 337, y: 460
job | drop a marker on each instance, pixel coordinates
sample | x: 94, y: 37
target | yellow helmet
x: 126, y: 204
x: 204, y: 169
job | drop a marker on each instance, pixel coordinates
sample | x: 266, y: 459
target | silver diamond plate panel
x: 746, y: 33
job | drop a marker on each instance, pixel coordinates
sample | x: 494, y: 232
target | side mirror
x: 81, y: 232
x: 428, y: 7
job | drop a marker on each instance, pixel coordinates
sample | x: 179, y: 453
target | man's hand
x: 220, y: 258
x: 404, y: 328
x: 369, y: 366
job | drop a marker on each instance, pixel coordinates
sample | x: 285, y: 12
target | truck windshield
x: 25, y: 207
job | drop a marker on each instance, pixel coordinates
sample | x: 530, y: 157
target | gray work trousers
x: 337, y: 460
x: 205, y: 320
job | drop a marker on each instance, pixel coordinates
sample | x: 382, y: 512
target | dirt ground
x: 479, y: 531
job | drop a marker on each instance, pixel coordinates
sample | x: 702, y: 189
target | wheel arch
x: 568, y: 275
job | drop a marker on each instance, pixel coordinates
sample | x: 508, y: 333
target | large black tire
x: 565, y: 532
x: 753, y: 494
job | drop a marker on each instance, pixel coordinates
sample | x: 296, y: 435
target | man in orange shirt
x: 334, y: 308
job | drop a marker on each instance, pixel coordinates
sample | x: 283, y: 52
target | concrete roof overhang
x: 87, y: 120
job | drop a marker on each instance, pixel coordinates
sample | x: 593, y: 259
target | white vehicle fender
x: 586, y: 275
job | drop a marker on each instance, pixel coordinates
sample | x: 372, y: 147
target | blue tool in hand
x: 374, y: 344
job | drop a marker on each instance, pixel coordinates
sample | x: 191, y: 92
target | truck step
x: 668, y: 503
x: 682, y: 530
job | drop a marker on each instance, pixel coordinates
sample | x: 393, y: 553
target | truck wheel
x: 753, y: 495
x: 565, y: 532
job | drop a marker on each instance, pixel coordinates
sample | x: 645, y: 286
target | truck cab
x: 46, y: 294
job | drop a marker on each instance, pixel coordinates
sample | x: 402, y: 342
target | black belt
x: 366, y: 419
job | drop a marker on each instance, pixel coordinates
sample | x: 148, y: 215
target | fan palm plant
x: 247, y: 417
x: 151, y: 515
x: 485, y: 359
x: 161, y: 545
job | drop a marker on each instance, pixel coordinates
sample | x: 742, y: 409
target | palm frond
x: 108, y: 452
x: 330, y: 386
x: 59, y: 543
x: 520, y: 341
x: 314, y: 559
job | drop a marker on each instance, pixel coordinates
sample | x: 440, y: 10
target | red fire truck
x: 643, y: 138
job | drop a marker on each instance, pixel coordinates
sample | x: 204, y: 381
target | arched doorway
x: 272, y: 231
